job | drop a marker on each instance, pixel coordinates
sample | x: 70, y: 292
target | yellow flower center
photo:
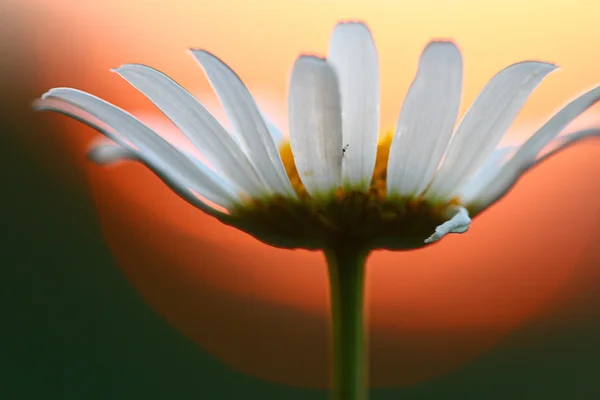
x: 378, y: 186
x: 351, y: 216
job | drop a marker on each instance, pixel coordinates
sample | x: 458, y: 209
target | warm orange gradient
x: 264, y: 311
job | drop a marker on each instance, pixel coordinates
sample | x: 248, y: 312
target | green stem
x: 346, y: 280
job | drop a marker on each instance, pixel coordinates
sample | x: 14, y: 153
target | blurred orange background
x: 264, y: 311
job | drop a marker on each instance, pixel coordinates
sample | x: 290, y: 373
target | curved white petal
x: 110, y: 153
x: 315, y: 124
x: 353, y: 55
x: 247, y: 122
x: 197, y: 123
x: 163, y: 171
x: 122, y: 127
x: 106, y: 152
x: 485, y: 123
x: 426, y: 121
x: 477, y: 195
x: 276, y: 133
x: 526, y: 156
x: 459, y: 223
x: 559, y: 144
x: 489, y: 168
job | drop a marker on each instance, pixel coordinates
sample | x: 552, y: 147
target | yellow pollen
x: 377, y: 191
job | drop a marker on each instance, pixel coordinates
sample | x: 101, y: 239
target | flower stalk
x: 347, y: 279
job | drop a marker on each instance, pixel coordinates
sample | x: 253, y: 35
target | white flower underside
x: 333, y: 128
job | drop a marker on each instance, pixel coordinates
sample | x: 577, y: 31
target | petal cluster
x: 438, y: 169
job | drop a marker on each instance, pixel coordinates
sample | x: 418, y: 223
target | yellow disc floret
x: 349, y: 215
x: 377, y: 189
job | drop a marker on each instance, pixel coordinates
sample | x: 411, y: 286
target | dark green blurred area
x: 74, y: 328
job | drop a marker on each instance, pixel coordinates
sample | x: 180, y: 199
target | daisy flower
x: 336, y: 185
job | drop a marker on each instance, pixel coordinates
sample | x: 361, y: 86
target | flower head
x: 336, y: 180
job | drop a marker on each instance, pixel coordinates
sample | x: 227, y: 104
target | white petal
x: 315, y: 124
x: 162, y: 171
x: 109, y: 153
x: 426, y: 120
x: 557, y: 123
x: 122, y: 128
x: 489, y: 168
x: 559, y: 144
x: 459, y: 223
x: 106, y: 152
x: 527, y: 154
x: 197, y: 123
x: 353, y: 55
x: 485, y: 123
x: 276, y: 133
x: 247, y: 122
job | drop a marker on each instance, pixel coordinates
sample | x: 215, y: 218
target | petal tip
x: 351, y: 31
x: 46, y: 95
x: 448, y: 47
x: 311, y: 58
x: 441, y: 43
x: 542, y: 66
x: 130, y: 68
x: 59, y: 91
x: 109, y: 153
x: 36, y: 105
x: 459, y: 223
x: 548, y: 66
x: 431, y: 239
x: 124, y: 67
x: 353, y: 24
x: 51, y: 93
x: 201, y: 53
x: 205, y: 57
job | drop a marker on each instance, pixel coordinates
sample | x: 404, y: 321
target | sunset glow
x: 430, y: 310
